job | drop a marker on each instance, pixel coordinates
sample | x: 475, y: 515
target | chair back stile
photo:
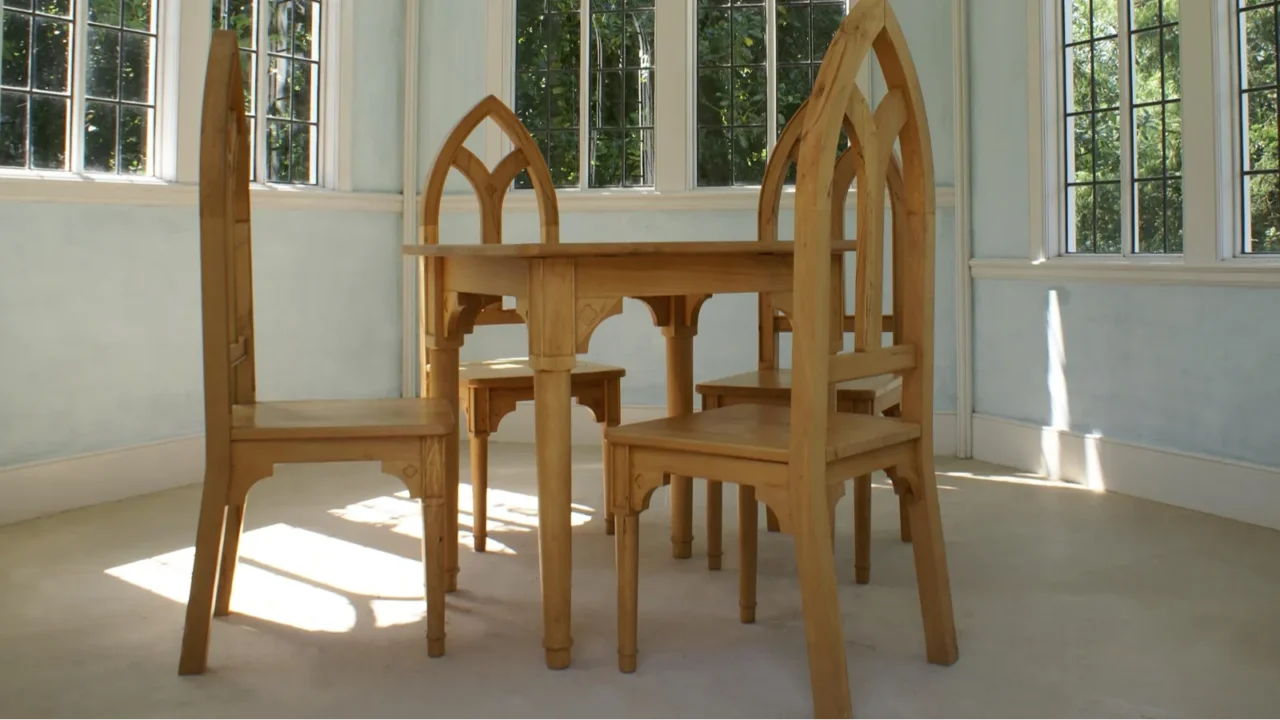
x: 226, y: 264
x: 898, y: 118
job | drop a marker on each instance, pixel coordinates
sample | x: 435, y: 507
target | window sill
x: 1264, y: 272
x: 624, y: 200
x: 152, y: 192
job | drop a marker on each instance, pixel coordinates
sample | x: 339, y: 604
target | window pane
x: 1107, y: 200
x: 35, y: 71
x: 732, y: 37
x: 101, y: 135
x: 621, y: 98
x: 135, y: 143
x: 1150, y: 216
x: 292, y: 91
x: 1173, y: 215
x: 105, y: 12
x: 1104, y: 18
x: 1092, y: 115
x: 1091, y: 91
x: 15, y: 58
x: 1106, y: 74
x: 1107, y: 136
x: 1080, y: 219
x: 119, y: 77
x: 805, y: 29
x: 546, y: 91
x: 138, y: 14
x: 103, y: 74
x: 1258, y: 46
x: 49, y: 132
x: 563, y: 157
x: 1259, y: 123
x: 1080, y: 137
x: 1079, y: 77
x: 50, y: 67
x: 278, y: 151
x: 13, y: 129
x: 135, y: 68
x: 1156, y: 135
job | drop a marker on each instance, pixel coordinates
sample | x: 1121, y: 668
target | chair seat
x: 760, y: 432
x: 333, y: 419
x: 777, y: 383
x: 509, y: 372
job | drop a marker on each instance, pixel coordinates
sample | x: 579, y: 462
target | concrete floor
x: 1068, y: 603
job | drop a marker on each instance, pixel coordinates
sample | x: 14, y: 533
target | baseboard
x: 518, y: 426
x: 53, y: 486
x: 1227, y: 488
x: 45, y: 488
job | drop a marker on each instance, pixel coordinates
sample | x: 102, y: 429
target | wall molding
x: 66, y: 188
x: 596, y: 201
x: 1218, y: 486
x: 1256, y: 273
x: 53, y: 486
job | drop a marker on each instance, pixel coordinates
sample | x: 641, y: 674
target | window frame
x: 1211, y: 168
x: 675, y: 120
x: 1227, y: 102
x: 182, y: 46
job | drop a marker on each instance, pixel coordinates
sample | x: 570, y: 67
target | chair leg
x: 204, y: 575
x: 608, y: 485
x: 748, y: 532
x: 771, y: 520
x: 715, y: 524
x: 230, y: 554
x: 628, y: 548
x: 828, y: 666
x: 479, y: 443
x: 931, y: 567
x: 862, y: 529
x: 443, y: 383
x: 904, y: 519
x: 435, y: 528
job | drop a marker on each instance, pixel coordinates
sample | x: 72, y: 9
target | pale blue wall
x: 99, y: 305
x: 454, y: 75
x: 1182, y: 367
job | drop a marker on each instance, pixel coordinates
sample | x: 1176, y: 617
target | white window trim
x: 182, y: 52
x: 1210, y: 166
x: 674, y: 125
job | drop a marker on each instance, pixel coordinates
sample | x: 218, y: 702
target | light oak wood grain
x: 796, y: 459
x: 245, y: 439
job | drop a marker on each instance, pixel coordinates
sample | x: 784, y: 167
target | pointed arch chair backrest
x: 491, y: 187
x: 226, y: 266
x: 849, y: 167
x: 899, y: 119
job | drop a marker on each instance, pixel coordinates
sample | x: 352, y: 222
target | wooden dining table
x: 564, y: 291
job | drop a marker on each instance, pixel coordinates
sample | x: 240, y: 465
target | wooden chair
x: 245, y: 439
x: 796, y: 459
x: 771, y: 385
x: 489, y: 390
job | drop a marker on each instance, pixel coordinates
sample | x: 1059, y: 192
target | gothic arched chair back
x: 491, y: 187
x: 899, y: 119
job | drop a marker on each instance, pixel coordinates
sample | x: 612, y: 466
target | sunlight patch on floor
x: 258, y: 593
x: 1015, y: 478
